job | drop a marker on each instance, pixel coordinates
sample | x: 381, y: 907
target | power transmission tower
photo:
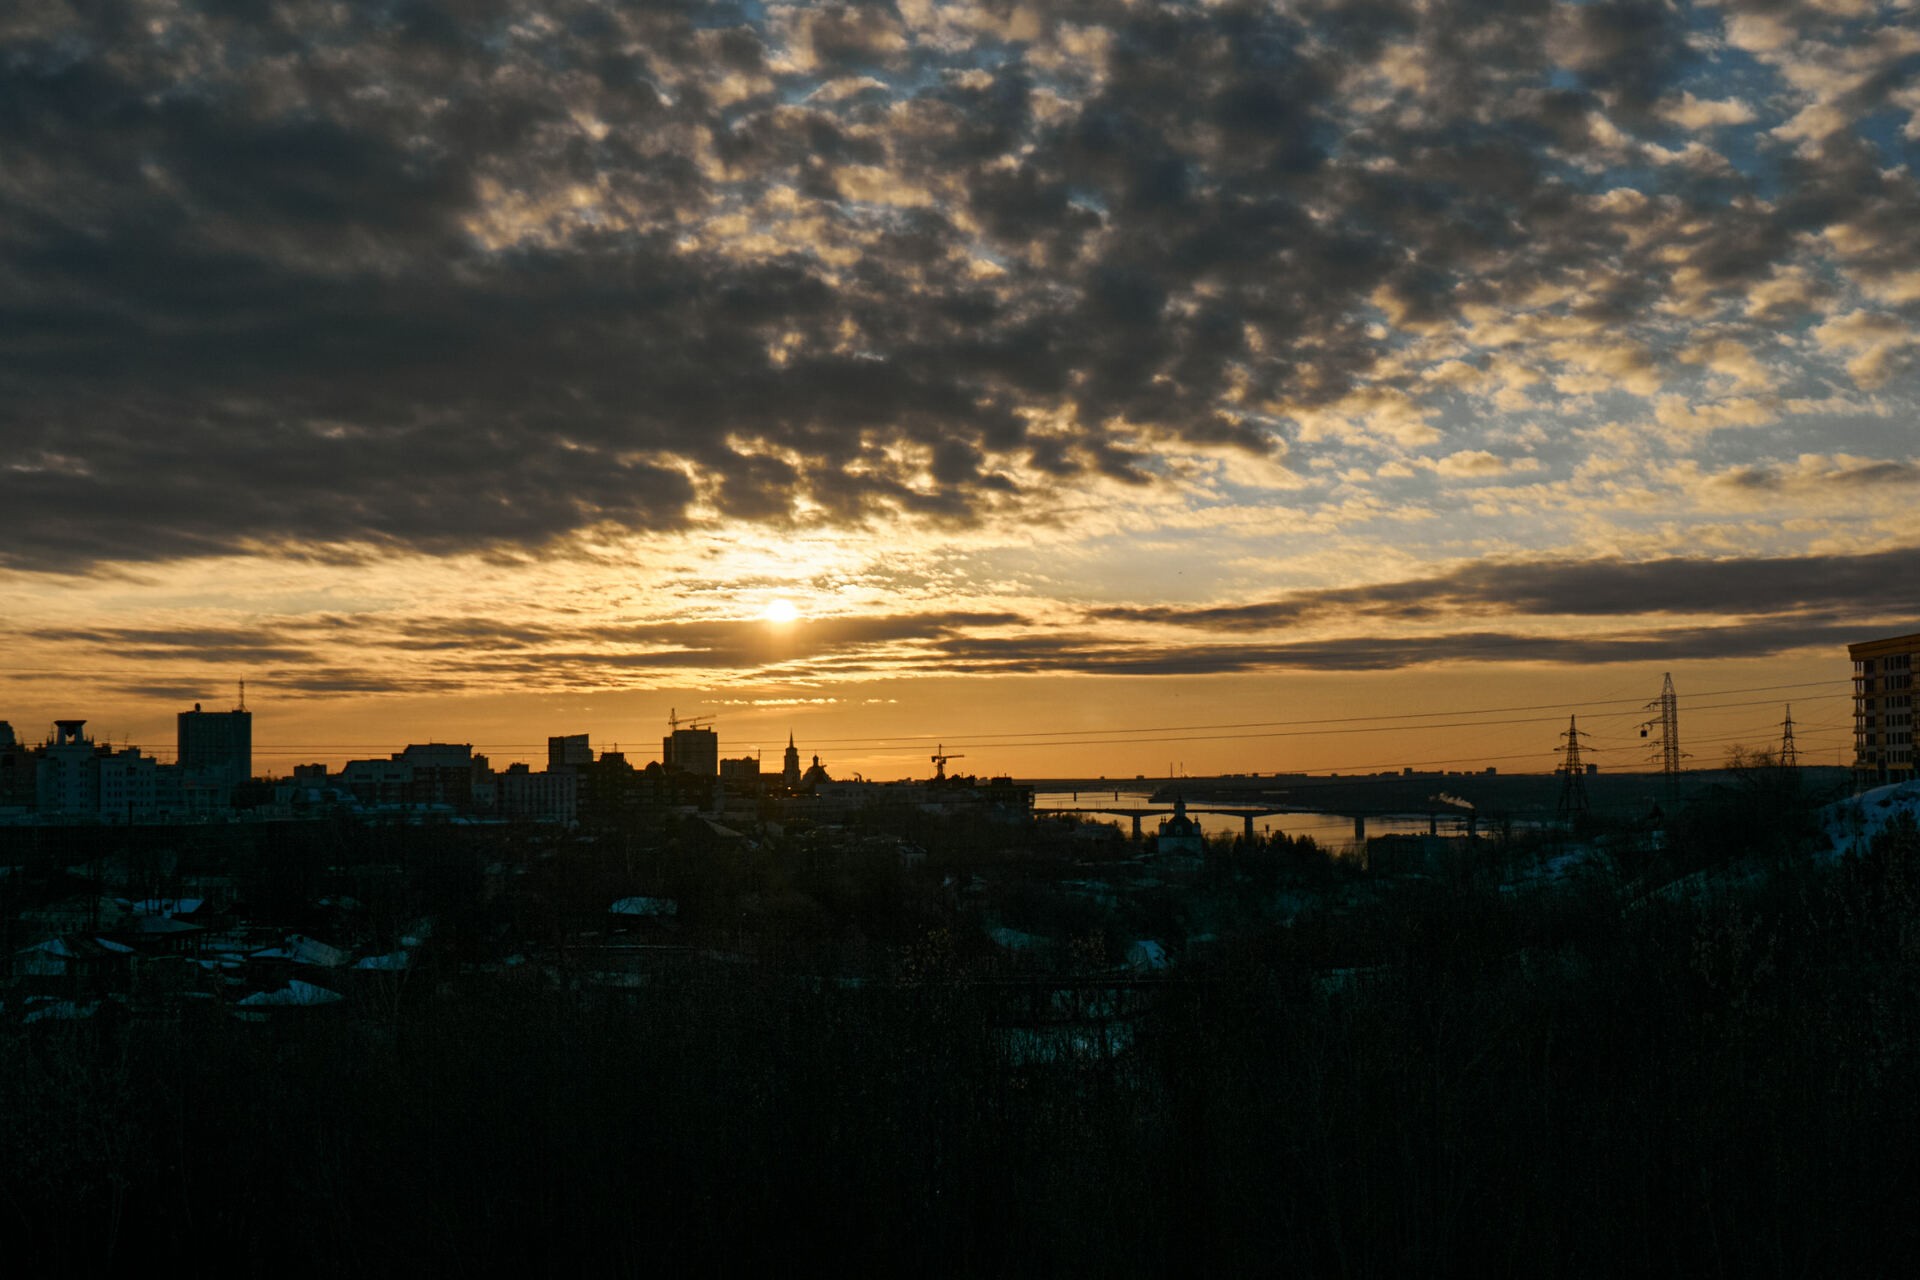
x: 1572, y: 808
x: 1789, y: 754
x: 1668, y: 707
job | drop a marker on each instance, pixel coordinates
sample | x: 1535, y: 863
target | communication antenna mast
x: 1789, y: 754
x: 243, y: 697
x: 1667, y: 705
x: 1572, y: 808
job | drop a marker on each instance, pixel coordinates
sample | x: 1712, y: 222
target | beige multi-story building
x: 1883, y: 708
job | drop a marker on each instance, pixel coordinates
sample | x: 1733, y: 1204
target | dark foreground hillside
x: 1728, y: 1085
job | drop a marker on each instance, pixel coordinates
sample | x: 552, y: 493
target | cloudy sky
x: 484, y: 369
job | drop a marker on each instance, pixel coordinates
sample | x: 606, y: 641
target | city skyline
x: 914, y: 373
x: 1717, y: 721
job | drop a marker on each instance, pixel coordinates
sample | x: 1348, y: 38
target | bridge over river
x: 1249, y: 814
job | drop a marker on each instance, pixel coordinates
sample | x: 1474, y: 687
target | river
x: 1329, y: 830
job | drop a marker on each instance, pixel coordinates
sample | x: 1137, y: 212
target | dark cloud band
x: 447, y: 276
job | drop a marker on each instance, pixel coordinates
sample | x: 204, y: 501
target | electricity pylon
x: 1572, y: 808
x: 1789, y: 754
x: 1668, y: 707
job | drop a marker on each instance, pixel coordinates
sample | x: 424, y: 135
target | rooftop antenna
x: 1572, y: 808
x: 1789, y: 754
x: 243, y: 697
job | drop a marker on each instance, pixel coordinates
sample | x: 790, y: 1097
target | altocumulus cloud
x: 328, y: 279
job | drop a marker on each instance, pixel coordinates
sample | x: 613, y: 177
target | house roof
x: 295, y: 994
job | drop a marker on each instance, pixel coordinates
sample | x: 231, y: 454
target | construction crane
x: 940, y: 758
x: 675, y: 723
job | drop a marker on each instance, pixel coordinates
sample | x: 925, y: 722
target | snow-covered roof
x: 304, y: 950
x: 1147, y: 955
x: 295, y: 994
x: 167, y: 906
x: 66, y: 948
x: 390, y: 962
x: 164, y: 925
x: 62, y: 1011
x: 645, y: 907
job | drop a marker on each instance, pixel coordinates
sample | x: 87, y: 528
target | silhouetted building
x: 445, y: 774
x: 18, y: 780
x: 790, y: 768
x: 215, y: 755
x: 68, y: 781
x: 815, y: 774
x: 613, y: 793
x: 553, y: 796
x: 566, y: 752
x: 999, y: 798
x: 695, y: 751
x: 78, y: 780
x: 605, y: 794
x: 1883, y: 708
x: 1179, y: 834
x: 742, y: 774
x: 377, y: 784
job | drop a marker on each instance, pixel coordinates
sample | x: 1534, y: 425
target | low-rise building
x: 441, y: 774
x: 553, y: 796
x: 77, y: 780
x: 18, y: 772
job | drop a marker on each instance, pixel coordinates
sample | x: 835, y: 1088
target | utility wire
x: 1282, y: 728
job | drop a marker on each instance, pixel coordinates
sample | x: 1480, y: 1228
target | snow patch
x: 1852, y: 824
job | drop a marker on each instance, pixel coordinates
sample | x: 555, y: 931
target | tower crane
x: 940, y: 758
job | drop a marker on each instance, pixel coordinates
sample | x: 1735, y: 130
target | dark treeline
x: 1457, y: 1079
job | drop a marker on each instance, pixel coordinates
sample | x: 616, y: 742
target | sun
x: 782, y: 611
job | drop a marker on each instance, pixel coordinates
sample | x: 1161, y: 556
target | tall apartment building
x: 1883, y: 708
x: 568, y: 751
x: 695, y: 751
x: 69, y: 772
x: 215, y: 754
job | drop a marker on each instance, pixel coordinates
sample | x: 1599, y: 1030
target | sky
x: 1101, y: 387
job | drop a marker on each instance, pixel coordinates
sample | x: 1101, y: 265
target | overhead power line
x: 1203, y: 732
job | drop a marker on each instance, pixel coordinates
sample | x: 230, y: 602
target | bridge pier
x: 1359, y: 828
x: 1136, y: 826
x: 1248, y: 819
x: 1433, y: 824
